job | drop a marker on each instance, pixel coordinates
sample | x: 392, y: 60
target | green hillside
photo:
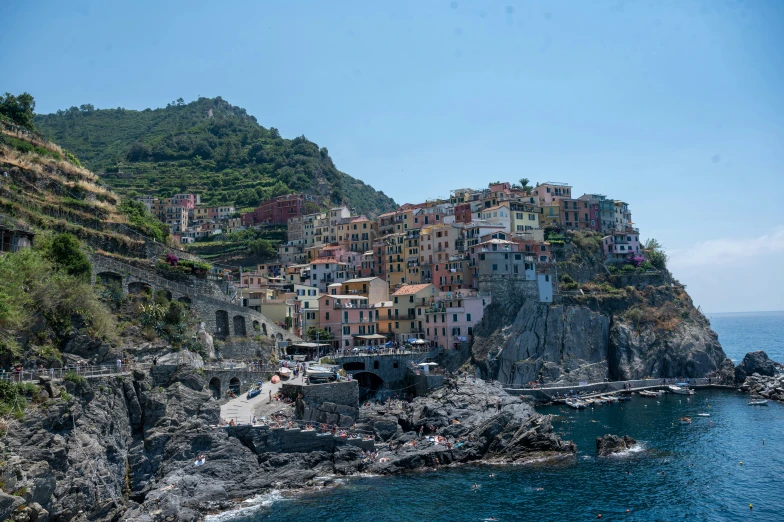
x: 208, y: 147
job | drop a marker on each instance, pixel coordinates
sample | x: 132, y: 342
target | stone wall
x: 391, y: 369
x: 640, y: 281
x: 424, y: 383
x: 334, y: 403
x: 508, y: 289
x: 264, y: 439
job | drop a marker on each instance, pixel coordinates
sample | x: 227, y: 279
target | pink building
x: 547, y: 193
x: 450, y: 320
x: 346, y: 317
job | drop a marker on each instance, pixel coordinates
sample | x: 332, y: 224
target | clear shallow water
x: 692, y: 458
x: 743, y: 333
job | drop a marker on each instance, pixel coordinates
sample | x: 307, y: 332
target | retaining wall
x: 264, y: 439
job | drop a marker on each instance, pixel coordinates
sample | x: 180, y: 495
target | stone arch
x: 369, y: 384
x: 215, y: 387
x: 109, y: 278
x: 239, y: 326
x: 264, y: 328
x: 138, y: 287
x: 234, y: 385
x: 353, y: 366
x: 279, y: 337
x: 185, y: 300
x: 256, y: 326
x: 222, y: 323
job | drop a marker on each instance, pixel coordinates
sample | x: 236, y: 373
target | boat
x: 254, y: 391
x: 703, y: 415
x: 685, y: 420
x: 320, y: 373
x: 649, y: 394
x: 575, y: 403
x: 758, y: 402
x: 624, y: 398
x: 680, y: 390
x: 284, y: 373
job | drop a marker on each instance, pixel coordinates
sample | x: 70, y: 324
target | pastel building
x: 450, y: 317
x: 620, y: 244
x: 346, y: 317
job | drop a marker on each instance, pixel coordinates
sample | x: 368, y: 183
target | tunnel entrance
x: 215, y: 388
x: 369, y: 384
x: 353, y: 366
x: 234, y: 385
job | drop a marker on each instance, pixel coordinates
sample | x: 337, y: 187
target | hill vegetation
x: 208, y: 147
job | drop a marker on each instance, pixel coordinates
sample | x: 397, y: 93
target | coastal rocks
x: 610, y: 444
x: 206, y: 341
x: 689, y: 349
x: 755, y: 362
x: 765, y: 386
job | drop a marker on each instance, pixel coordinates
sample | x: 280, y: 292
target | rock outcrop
x: 755, y: 362
x: 610, y: 444
x: 764, y: 386
x: 125, y: 448
x: 631, y: 334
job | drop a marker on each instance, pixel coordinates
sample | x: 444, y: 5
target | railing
x: 59, y: 373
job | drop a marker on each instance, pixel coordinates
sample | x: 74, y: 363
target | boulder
x: 610, y: 444
x: 755, y: 362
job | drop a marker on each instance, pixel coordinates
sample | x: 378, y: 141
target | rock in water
x: 610, y: 444
x: 755, y: 362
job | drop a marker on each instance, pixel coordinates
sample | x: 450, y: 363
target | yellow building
x: 405, y: 300
x: 524, y: 217
x: 394, y: 260
x: 374, y: 288
x: 550, y: 214
x: 385, y: 321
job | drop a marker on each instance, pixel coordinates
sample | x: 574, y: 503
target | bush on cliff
x: 34, y: 288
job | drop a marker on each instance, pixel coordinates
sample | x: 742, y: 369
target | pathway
x: 242, y: 410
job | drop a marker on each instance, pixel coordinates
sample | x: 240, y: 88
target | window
x: 454, y: 318
x: 346, y: 330
x: 326, y: 316
x: 468, y: 317
x: 443, y: 331
x: 394, y: 364
x: 495, y: 267
x: 395, y: 300
x: 397, y: 325
x: 375, y: 365
x: 326, y: 302
x: 470, y: 331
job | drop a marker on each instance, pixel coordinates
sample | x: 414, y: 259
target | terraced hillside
x: 208, y: 147
x: 43, y: 187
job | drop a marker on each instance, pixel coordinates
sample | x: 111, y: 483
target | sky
x: 676, y: 107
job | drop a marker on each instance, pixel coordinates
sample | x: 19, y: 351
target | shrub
x: 66, y: 252
x: 74, y: 378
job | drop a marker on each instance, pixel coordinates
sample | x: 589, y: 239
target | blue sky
x: 674, y: 106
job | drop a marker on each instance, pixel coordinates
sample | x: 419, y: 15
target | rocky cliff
x: 642, y: 324
x: 125, y: 448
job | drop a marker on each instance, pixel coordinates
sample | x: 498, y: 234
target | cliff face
x: 638, y: 330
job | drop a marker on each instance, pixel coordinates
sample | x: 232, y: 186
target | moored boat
x: 284, y: 373
x: 575, y: 403
x: 649, y: 394
x: 758, y: 402
x: 680, y: 390
x: 685, y: 420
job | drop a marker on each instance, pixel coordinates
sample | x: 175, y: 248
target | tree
x: 318, y: 333
x: 66, y: 252
x: 654, y: 251
x: 263, y: 248
x: 139, y: 152
x: 19, y: 109
x: 525, y: 184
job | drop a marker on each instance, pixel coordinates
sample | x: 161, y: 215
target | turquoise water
x: 677, y: 472
x: 748, y: 332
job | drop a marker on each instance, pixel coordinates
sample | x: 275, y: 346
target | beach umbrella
x: 275, y: 379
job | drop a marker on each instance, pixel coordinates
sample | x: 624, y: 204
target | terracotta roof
x: 360, y: 280
x: 324, y: 261
x: 411, y: 289
x: 358, y: 218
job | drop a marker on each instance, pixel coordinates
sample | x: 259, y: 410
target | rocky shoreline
x: 125, y: 448
x: 760, y: 376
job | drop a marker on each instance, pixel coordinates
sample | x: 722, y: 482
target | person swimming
x: 491, y: 475
x: 475, y: 486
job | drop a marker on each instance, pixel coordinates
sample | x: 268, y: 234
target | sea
x: 728, y: 466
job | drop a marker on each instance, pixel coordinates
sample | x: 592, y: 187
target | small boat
x: 703, y: 415
x: 649, y: 394
x: 680, y: 390
x: 284, y: 373
x: 575, y: 403
x: 624, y: 398
x: 320, y: 373
x: 685, y: 420
x: 758, y: 402
x: 254, y: 391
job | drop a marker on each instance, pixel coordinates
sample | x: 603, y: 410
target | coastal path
x: 549, y: 391
x: 242, y: 409
x: 58, y: 374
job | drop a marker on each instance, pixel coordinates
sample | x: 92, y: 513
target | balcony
x: 361, y: 320
x: 349, y: 306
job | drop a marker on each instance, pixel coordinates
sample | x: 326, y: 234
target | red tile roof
x: 411, y: 289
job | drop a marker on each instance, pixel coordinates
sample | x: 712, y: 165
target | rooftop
x: 360, y: 297
x: 411, y: 289
x: 360, y: 280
